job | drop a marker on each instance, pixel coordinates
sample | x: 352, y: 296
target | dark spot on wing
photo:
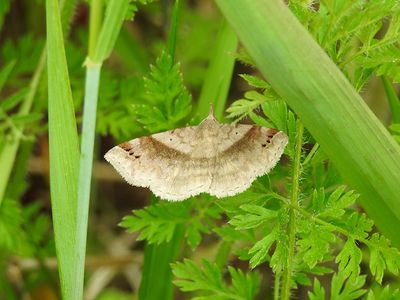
x: 125, y: 146
x: 272, y: 132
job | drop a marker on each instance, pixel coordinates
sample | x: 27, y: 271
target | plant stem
x: 218, y: 78
x: 331, y: 226
x: 393, y: 100
x: 96, y: 11
x: 92, y: 82
x: 173, y: 30
x: 277, y: 284
x: 9, y: 151
x: 287, y: 279
x: 311, y: 154
x: 85, y: 167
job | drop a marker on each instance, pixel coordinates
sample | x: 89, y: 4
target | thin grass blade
x: 219, y: 74
x: 63, y: 150
x: 393, y: 100
x: 99, y: 50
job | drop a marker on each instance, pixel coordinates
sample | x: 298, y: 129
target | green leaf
x: 382, y: 257
x: 314, y: 242
x: 259, y: 252
x: 279, y: 259
x: 395, y: 129
x: 218, y: 78
x: 158, y: 222
x: 245, y: 285
x: 386, y: 294
x: 5, y: 73
x: 393, y: 99
x: 19, y: 120
x: 343, y: 288
x: 242, y: 107
x: 208, y: 281
x: 13, y: 100
x: 349, y: 259
x: 318, y: 292
x: 64, y: 154
x: 255, y: 81
x: 10, y: 226
x: 167, y: 101
x: 115, y: 15
x: 384, y: 62
x: 334, y: 206
x: 359, y: 225
x: 320, y: 97
x: 194, y: 230
x: 255, y: 217
x: 229, y: 234
x: 157, y: 260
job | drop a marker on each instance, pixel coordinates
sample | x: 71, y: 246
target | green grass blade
x: 9, y: 151
x: 132, y: 53
x: 92, y: 81
x: 115, y: 15
x: 64, y: 155
x: 219, y: 74
x: 96, y: 10
x: 157, y: 260
x: 173, y: 30
x: 85, y: 168
x: 99, y: 49
x: 329, y: 107
x: 5, y: 73
x: 393, y: 100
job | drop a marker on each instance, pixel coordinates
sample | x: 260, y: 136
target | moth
x: 219, y: 159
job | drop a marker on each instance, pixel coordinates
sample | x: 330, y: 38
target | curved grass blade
x: 327, y: 104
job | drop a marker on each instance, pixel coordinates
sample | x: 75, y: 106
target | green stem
x: 379, y: 44
x: 393, y: 99
x: 9, y: 151
x: 277, y: 284
x: 85, y: 167
x: 173, y: 30
x: 96, y: 11
x: 92, y: 82
x: 331, y: 226
x: 311, y: 154
x: 287, y: 279
x: 219, y: 73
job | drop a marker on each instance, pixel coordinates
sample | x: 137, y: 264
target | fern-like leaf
x: 383, y: 257
x: 208, y: 281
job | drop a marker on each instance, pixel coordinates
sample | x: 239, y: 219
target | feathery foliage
x: 297, y: 230
x: 209, y: 281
